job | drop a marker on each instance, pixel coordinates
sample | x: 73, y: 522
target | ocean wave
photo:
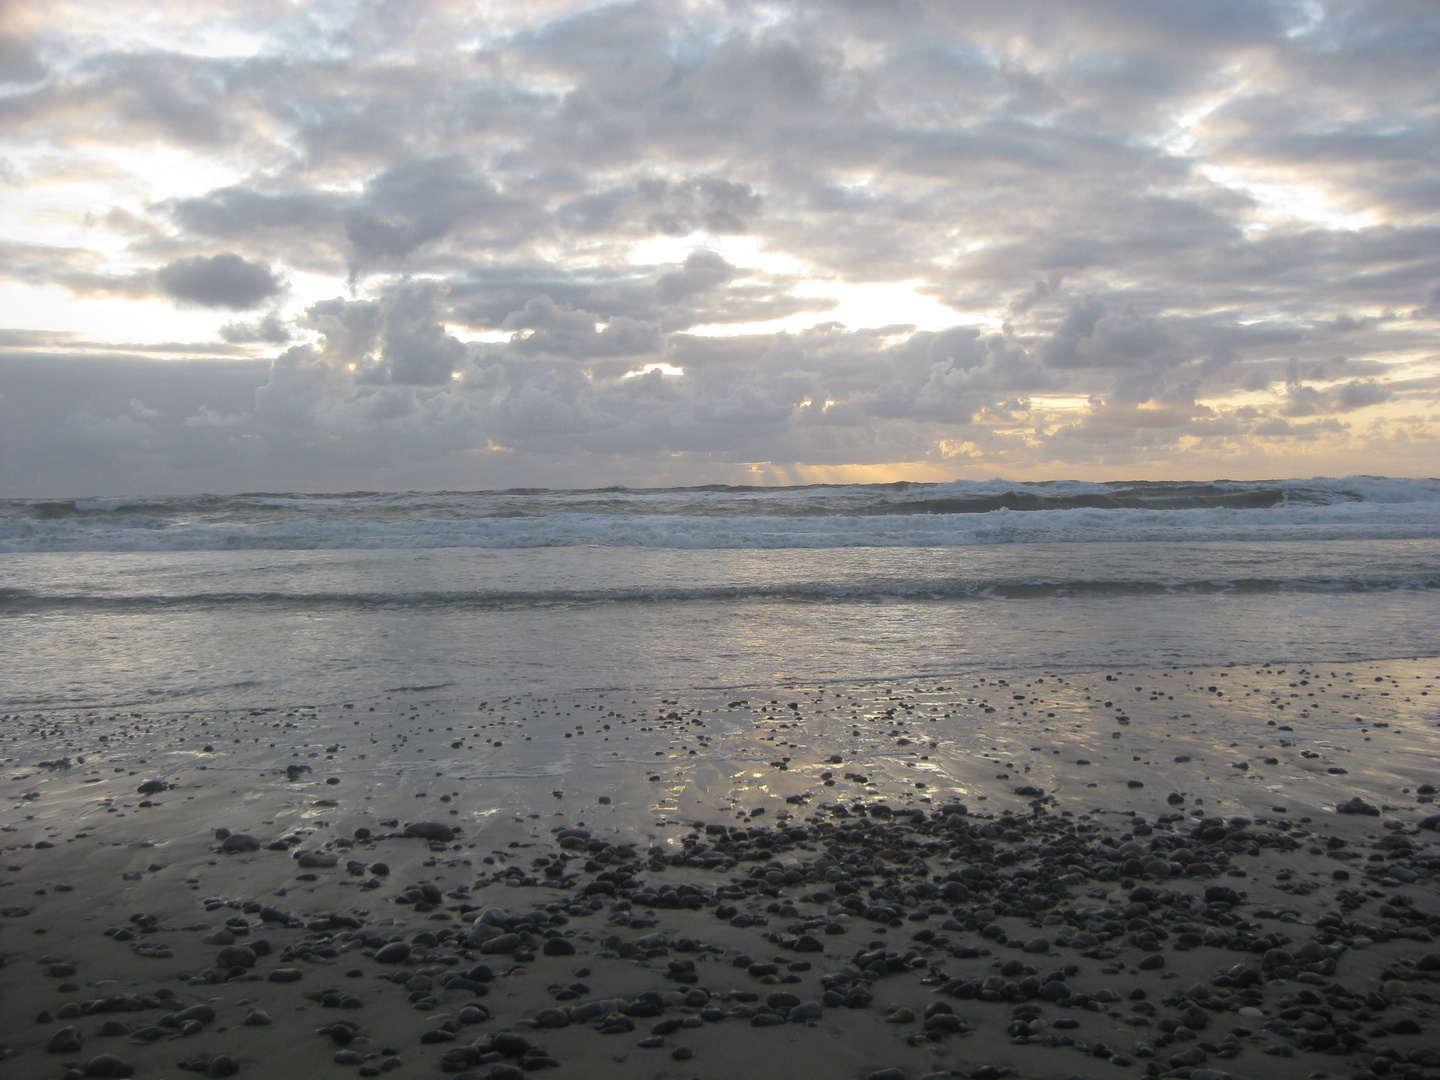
x: 18, y: 601
x: 822, y: 516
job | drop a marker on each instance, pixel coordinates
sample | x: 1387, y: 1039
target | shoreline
x: 127, y: 904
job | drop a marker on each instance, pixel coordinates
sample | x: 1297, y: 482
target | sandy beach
x: 1174, y: 872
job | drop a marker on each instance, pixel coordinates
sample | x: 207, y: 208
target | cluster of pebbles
x: 1137, y: 949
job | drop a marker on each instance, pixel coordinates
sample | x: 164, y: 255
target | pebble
x: 108, y: 1065
x: 239, y: 842
x: 397, y: 952
x: 429, y: 830
x: 235, y: 956
x: 1358, y: 805
x: 1130, y: 897
x: 505, y: 943
x: 65, y: 1041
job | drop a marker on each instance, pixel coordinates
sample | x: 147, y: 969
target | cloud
x: 126, y: 97
x: 351, y: 329
x: 702, y: 271
x: 218, y: 281
x: 411, y: 204
x: 1304, y: 400
x: 398, y: 339
x: 19, y: 62
x: 550, y: 329
x: 269, y: 330
x: 709, y: 203
x: 557, y: 237
x: 414, y: 348
x: 236, y: 211
x: 703, y: 289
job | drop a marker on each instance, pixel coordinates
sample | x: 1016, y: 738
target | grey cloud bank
x: 575, y: 244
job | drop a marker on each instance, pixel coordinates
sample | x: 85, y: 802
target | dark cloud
x: 1091, y: 336
x: 218, y: 281
x: 702, y: 290
x: 127, y: 96
x: 1302, y: 399
x: 398, y: 339
x: 545, y: 327
x: 103, y: 424
x: 702, y: 272
x: 351, y: 329
x: 414, y: 348
x: 269, y: 330
x: 231, y: 212
x: 707, y: 202
x: 1163, y: 229
x: 19, y: 61
x: 409, y: 205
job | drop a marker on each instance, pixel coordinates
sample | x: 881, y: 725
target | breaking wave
x: 821, y: 516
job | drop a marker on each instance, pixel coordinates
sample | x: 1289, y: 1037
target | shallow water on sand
x: 273, y: 628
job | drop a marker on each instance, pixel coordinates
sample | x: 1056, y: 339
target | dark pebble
x: 65, y: 1041
x: 108, y: 1065
x: 1358, y: 805
x: 510, y: 1044
x: 429, y: 830
x: 396, y: 952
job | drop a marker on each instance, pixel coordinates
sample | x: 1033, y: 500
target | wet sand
x: 1113, y: 873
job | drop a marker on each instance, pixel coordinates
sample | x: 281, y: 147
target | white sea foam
x: 900, y: 515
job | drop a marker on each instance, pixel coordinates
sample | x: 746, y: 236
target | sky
x: 306, y: 245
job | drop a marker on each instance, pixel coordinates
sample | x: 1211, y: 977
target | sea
x: 265, y: 600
